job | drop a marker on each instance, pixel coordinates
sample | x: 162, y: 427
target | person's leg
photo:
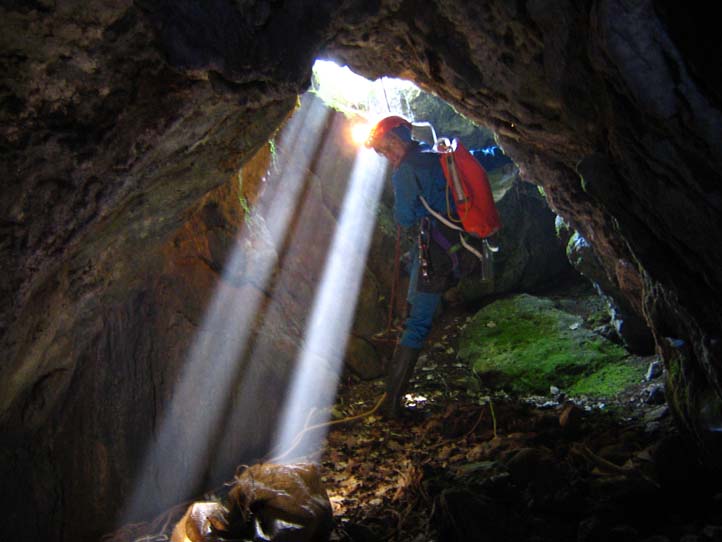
x: 397, y: 380
x: 418, y: 325
x: 423, y: 308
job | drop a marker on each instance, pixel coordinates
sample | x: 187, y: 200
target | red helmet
x: 383, y: 127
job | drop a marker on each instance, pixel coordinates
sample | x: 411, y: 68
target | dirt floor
x: 468, y: 463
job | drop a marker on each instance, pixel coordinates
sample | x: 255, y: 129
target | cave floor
x: 468, y: 462
x: 472, y: 464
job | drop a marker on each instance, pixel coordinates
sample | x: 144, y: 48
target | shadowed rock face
x: 118, y: 117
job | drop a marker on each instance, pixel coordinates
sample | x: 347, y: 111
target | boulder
x: 525, y: 344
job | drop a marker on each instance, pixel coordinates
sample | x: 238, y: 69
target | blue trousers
x: 423, y: 308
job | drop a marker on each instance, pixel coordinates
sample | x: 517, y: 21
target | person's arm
x: 406, y: 194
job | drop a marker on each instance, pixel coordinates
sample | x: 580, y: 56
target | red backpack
x: 466, y: 179
x: 469, y: 184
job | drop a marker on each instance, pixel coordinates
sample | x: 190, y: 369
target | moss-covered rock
x: 525, y: 344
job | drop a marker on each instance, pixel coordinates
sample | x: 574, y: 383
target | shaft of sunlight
x: 318, y: 365
x: 296, y: 269
x: 175, y: 459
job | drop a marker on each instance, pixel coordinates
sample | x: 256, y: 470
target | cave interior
x: 171, y: 189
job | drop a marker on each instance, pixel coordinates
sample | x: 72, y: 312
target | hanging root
x: 493, y: 415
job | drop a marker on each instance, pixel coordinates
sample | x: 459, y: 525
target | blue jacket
x: 419, y: 173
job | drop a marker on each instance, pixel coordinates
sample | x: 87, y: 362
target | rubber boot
x: 398, y: 378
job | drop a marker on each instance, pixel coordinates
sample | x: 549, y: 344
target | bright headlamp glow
x: 360, y: 132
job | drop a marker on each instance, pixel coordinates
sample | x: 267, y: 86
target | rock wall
x: 530, y: 256
x: 119, y: 117
x: 629, y: 327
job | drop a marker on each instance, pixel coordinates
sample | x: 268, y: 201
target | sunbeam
x: 318, y: 365
x: 175, y: 459
x: 306, y: 240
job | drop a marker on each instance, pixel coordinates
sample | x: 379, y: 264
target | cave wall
x: 120, y: 420
x: 119, y: 117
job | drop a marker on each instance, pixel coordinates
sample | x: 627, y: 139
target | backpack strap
x: 438, y: 216
x: 446, y: 222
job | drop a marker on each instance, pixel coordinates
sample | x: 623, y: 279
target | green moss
x: 244, y: 205
x: 273, y: 149
x: 242, y: 200
x: 608, y: 380
x: 528, y: 345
